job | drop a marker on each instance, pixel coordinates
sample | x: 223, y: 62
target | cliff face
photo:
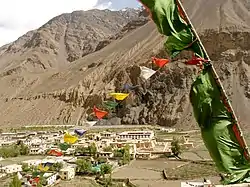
x: 166, y: 94
x: 57, y: 73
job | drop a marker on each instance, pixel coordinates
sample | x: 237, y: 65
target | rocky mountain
x: 55, y: 74
x: 65, y: 39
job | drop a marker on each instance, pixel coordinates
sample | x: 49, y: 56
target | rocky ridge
x: 66, y: 93
x: 67, y: 38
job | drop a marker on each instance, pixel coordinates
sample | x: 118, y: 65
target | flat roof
x: 12, y: 165
x: 136, y: 132
x: 8, y: 133
x: 67, y: 169
x: 35, y: 160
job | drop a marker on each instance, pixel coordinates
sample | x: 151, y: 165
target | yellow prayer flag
x: 68, y: 138
x: 119, y: 96
x: 44, y: 169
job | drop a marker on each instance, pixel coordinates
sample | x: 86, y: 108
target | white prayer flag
x: 146, y: 73
x: 19, y: 175
x: 91, y: 123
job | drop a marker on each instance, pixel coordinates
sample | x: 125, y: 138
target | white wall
x: 12, y: 168
x: 51, y: 180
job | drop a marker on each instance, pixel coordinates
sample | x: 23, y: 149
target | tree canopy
x: 106, y: 169
x: 175, y: 147
x: 83, y: 166
x: 15, y: 182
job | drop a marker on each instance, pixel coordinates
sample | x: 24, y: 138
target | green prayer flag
x: 64, y: 146
x: 166, y: 15
x: 217, y: 131
x: 215, y: 121
x: 110, y: 105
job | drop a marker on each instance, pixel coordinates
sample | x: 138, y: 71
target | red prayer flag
x: 160, y: 61
x: 99, y: 113
x: 196, y: 61
x: 55, y: 153
x: 181, y: 12
x: 147, y: 9
x: 36, y: 180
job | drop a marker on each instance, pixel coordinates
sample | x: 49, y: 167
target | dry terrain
x: 55, y: 74
x: 78, y: 182
x: 145, y: 173
x: 149, y: 173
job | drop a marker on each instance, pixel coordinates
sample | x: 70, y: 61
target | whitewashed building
x: 32, y: 162
x: 168, y: 130
x: 136, y: 135
x: 105, y: 154
x: 69, y: 151
x: 7, y: 143
x: 67, y: 173
x: 2, y: 175
x: 8, y: 136
x: 36, y: 151
x: 58, y: 140
x: 33, y: 141
x: 50, y: 178
x: 107, y: 135
x: 11, y: 168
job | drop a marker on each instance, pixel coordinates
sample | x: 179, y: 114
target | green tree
x: 126, y: 155
x: 175, y: 147
x: 9, y: 151
x: 118, y: 153
x: 92, y: 149
x: 24, y: 150
x: 83, y: 166
x: 15, y: 182
x: 108, y: 149
x: 106, y: 169
x: 25, y: 167
x: 39, y: 185
x: 101, y: 160
x: 35, y: 172
x: 13, y: 130
x: 32, y: 168
x: 56, y: 166
x: 42, y: 181
x: 108, y: 182
x: 82, y: 150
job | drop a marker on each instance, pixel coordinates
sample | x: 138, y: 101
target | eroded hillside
x: 61, y: 86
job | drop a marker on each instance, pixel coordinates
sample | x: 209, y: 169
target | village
x: 93, y: 154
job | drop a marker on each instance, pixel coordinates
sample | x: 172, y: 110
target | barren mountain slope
x: 220, y: 15
x: 67, y: 95
x: 51, y: 48
x: 64, y: 39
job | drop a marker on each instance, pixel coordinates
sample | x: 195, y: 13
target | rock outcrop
x: 57, y: 73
